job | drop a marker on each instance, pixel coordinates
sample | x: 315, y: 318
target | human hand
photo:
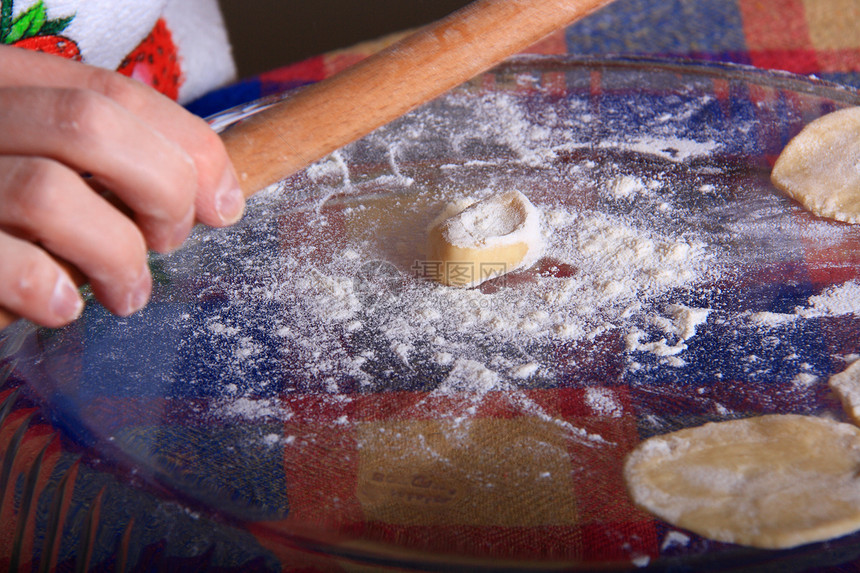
x: 95, y: 169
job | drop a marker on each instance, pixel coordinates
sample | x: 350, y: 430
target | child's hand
x: 95, y: 169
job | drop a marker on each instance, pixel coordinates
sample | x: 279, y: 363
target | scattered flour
x: 671, y: 148
x: 603, y: 402
x: 251, y: 409
x: 598, y: 271
x: 804, y: 379
x: 680, y: 326
x: 835, y: 301
x: 685, y: 320
x: 675, y: 539
x: 659, y: 347
x: 627, y: 187
x: 625, y: 253
x: 772, y: 319
x: 524, y: 371
x: 471, y: 376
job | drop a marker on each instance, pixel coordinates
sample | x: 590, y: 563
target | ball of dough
x: 487, y: 239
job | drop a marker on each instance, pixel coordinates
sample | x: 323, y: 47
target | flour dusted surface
x: 597, y: 274
x: 644, y: 239
x: 315, y: 377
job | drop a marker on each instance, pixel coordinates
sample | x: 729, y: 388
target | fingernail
x: 229, y: 200
x: 138, y: 296
x: 66, y: 303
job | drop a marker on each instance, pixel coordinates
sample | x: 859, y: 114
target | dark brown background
x: 271, y: 33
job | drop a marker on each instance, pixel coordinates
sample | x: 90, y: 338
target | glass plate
x: 301, y: 375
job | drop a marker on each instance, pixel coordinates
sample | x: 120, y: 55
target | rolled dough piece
x: 773, y: 481
x: 820, y: 167
x: 846, y: 385
x: 487, y: 239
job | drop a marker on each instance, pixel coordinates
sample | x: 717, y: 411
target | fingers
x: 217, y: 195
x: 48, y: 208
x: 219, y: 198
x: 85, y: 130
x: 32, y: 285
x: 165, y: 167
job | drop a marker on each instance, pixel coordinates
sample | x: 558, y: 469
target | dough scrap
x: 820, y: 167
x: 773, y: 481
x: 846, y: 385
x: 485, y: 240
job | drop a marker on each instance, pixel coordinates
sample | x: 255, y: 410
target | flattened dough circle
x: 772, y: 481
x: 820, y: 167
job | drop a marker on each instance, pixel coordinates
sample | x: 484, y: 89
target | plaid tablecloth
x: 66, y: 507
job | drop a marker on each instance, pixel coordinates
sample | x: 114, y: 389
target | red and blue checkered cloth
x: 110, y: 521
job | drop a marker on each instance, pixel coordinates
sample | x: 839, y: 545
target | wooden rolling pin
x: 327, y: 115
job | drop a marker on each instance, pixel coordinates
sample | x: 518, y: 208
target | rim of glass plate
x: 800, y: 83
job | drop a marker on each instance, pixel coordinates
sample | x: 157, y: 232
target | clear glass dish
x: 299, y: 376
